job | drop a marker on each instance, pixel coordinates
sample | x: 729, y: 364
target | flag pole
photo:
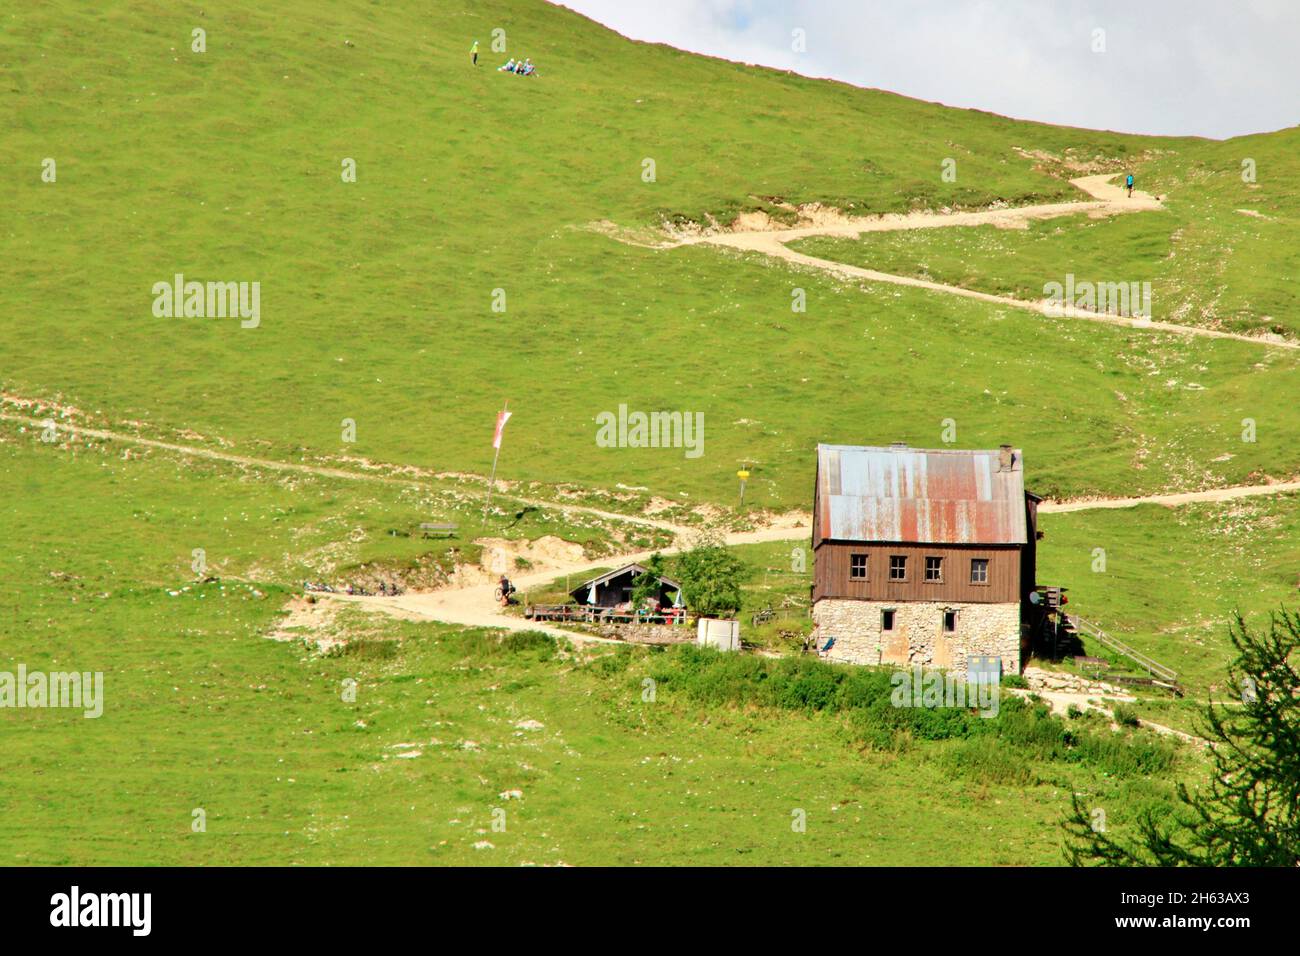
x: 492, y: 481
x: 491, y: 484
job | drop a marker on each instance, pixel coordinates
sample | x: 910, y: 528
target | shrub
x: 1125, y: 716
x: 368, y: 648
x: 615, y: 663
x: 1023, y: 732
x: 485, y: 644
x: 710, y: 575
x: 990, y: 760
x: 800, y: 683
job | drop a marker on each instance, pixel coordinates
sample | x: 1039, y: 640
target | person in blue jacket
x: 1129, y: 183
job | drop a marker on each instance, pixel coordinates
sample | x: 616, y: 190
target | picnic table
x: 438, y: 529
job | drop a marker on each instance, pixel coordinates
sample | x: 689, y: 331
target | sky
x: 1216, y: 68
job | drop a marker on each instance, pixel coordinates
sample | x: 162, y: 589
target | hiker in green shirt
x: 473, y: 53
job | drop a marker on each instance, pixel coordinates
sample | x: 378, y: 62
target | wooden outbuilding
x: 615, y: 588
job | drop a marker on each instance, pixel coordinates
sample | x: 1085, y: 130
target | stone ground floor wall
x: 918, y: 636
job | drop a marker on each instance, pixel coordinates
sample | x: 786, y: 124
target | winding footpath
x: 472, y: 605
x: 323, y: 471
x: 1108, y: 200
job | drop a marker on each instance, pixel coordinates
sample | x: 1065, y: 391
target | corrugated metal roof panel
x: 926, y: 496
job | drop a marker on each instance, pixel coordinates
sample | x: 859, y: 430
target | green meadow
x: 479, y: 257
x: 1169, y: 579
x: 452, y: 733
x: 377, y: 295
x: 1222, y: 255
x: 202, y: 712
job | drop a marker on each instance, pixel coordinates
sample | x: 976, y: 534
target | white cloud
x: 1199, y: 67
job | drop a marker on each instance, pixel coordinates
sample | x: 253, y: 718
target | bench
x: 438, y: 529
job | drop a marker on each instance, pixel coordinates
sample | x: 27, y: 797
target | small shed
x: 615, y: 587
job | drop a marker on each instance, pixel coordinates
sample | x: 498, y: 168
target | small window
x: 887, y: 620
x: 949, y: 621
x: 858, y: 567
x: 934, y: 570
x: 979, y: 570
x: 898, y: 567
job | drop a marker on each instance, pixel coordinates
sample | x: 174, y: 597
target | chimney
x: 1005, y: 458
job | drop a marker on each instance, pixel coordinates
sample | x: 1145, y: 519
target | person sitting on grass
x: 508, y: 67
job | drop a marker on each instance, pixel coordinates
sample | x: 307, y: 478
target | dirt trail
x: 472, y: 605
x: 1172, y: 499
x: 1060, y: 703
x: 1108, y: 199
x: 791, y: 526
x: 324, y: 471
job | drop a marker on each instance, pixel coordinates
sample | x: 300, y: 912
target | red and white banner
x: 502, y: 418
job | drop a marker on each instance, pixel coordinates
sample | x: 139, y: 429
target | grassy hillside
x: 376, y: 295
x: 202, y: 711
x: 377, y: 306
x: 1173, y: 577
x: 1224, y: 255
x: 445, y: 723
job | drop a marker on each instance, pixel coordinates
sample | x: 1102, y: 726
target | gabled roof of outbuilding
x: 918, y: 495
x: 619, y: 572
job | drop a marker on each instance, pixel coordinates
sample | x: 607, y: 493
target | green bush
x: 488, y: 644
x: 990, y: 760
x: 801, y: 683
x: 710, y: 575
x: 1001, y: 747
x: 615, y: 663
x: 1125, y: 716
x: 368, y: 648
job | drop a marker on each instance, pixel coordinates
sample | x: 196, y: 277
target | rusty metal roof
x: 918, y: 495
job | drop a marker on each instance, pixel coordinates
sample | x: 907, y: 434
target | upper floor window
x: 898, y: 567
x: 979, y: 570
x: 933, y: 569
x: 858, y: 567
